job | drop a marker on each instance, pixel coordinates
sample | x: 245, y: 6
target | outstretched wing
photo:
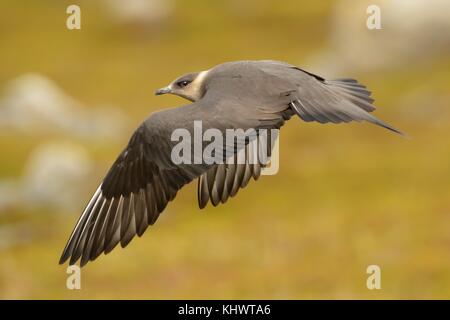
x: 131, y: 197
x: 144, y: 178
x: 317, y: 99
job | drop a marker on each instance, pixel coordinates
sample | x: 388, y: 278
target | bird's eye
x: 183, y: 83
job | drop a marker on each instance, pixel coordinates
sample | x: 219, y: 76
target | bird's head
x: 190, y: 86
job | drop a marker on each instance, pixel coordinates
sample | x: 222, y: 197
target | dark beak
x: 163, y: 91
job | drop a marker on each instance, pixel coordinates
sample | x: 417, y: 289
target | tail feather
x: 339, y: 100
x: 353, y: 91
x: 357, y: 93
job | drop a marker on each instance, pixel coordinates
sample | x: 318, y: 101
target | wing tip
x: 62, y: 260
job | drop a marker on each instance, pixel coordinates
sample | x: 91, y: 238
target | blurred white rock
x: 412, y: 31
x: 33, y: 104
x: 139, y: 12
x: 55, y: 175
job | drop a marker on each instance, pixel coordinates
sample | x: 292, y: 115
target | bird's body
x: 234, y: 95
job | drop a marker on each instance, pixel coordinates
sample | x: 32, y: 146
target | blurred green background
x: 346, y: 196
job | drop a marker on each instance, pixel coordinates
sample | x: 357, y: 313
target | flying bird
x: 240, y: 94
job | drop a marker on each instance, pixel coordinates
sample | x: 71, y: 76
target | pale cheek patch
x: 197, y: 84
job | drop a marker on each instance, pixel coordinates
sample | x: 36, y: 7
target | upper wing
x: 317, y: 99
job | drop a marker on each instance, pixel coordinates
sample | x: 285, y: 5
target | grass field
x: 346, y: 196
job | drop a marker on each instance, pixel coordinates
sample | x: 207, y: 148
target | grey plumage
x: 224, y: 180
x: 243, y: 94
